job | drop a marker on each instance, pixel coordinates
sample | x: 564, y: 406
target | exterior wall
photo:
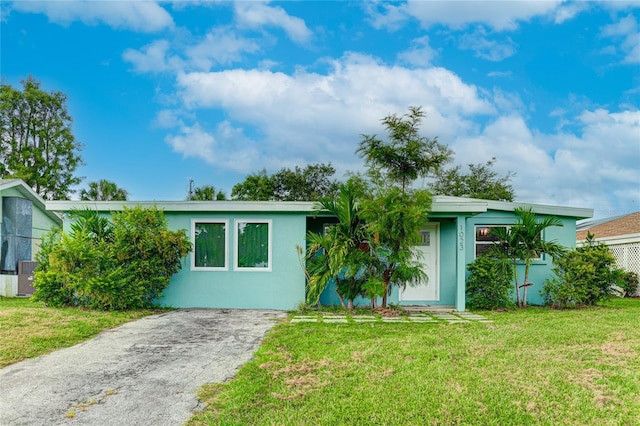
x: 447, y: 256
x: 455, y: 242
x: 540, y: 270
x: 284, y: 286
x: 447, y: 265
x: 281, y: 288
x: 8, y: 285
x: 42, y: 223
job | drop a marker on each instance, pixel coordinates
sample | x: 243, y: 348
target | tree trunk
x: 515, y: 277
x: 341, y: 300
x: 385, y: 288
x: 525, y: 284
x: 351, y: 304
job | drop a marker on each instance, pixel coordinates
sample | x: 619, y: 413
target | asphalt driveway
x: 145, y: 372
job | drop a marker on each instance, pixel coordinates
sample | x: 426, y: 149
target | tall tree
x: 308, y: 184
x: 255, y: 187
x: 103, y: 190
x: 407, y: 155
x: 207, y: 193
x: 36, y: 143
x: 480, y: 182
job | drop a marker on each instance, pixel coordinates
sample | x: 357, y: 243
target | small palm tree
x: 338, y: 254
x: 207, y: 193
x: 103, y: 190
x: 524, y: 242
x: 395, y: 218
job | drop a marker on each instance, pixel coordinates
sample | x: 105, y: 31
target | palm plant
x: 524, y: 242
x: 103, y: 190
x: 92, y: 223
x: 395, y: 218
x: 338, y: 254
x: 207, y: 193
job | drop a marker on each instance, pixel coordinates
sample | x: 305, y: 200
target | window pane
x: 253, y: 245
x: 484, y: 233
x: 210, y: 245
x: 482, y: 248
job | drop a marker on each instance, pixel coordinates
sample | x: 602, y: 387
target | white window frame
x: 224, y: 222
x: 488, y: 243
x: 269, y: 267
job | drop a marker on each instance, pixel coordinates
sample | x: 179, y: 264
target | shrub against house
x: 124, y: 264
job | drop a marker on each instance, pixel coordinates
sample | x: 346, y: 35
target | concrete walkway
x: 145, y: 372
x: 423, y: 317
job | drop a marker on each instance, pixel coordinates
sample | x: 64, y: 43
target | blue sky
x: 165, y: 92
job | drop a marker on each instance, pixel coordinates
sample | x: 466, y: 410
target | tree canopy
x: 103, y: 190
x: 480, y: 182
x: 406, y: 155
x: 309, y: 184
x: 36, y: 144
x: 207, y: 193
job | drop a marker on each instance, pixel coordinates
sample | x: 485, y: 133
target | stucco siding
x: 540, y: 270
x: 281, y: 288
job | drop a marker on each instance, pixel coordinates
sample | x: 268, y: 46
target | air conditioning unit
x: 25, y: 277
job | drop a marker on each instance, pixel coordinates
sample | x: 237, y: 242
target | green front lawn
x: 29, y: 329
x: 533, y: 366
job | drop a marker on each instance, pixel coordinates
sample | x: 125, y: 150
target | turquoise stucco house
x: 245, y: 252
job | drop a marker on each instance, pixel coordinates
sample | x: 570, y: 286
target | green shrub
x: 629, y: 283
x: 127, y: 267
x: 50, y: 286
x: 489, y: 284
x: 584, y: 277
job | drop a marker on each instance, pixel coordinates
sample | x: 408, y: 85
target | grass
x: 29, y: 329
x: 533, y: 366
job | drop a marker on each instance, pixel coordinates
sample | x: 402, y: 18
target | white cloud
x: 310, y: 117
x: 499, y: 15
x: 485, y: 48
x: 170, y: 118
x: 152, y: 58
x: 568, y: 11
x: 580, y: 168
x: 420, y: 54
x: 253, y: 14
x: 627, y: 30
x: 228, y: 148
x: 195, y: 142
x: 220, y: 46
x: 143, y: 16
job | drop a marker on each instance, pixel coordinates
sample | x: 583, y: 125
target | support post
x: 461, y: 225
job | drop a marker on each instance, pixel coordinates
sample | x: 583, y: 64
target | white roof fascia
x: 473, y: 205
x: 189, y: 206
x: 440, y: 204
x: 578, y: 213
x: 616, y: 239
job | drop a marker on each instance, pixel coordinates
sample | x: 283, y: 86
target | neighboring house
x: 245, y: 252
x: 620, y: 233
x: 23, y: 222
